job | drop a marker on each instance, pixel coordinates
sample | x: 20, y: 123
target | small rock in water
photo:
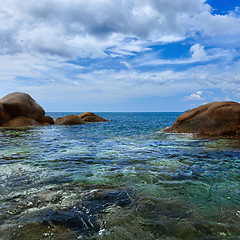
x: 69, y: 120
x: 91, y: 117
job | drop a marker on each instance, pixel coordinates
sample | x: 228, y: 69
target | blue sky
x: 125, y: 55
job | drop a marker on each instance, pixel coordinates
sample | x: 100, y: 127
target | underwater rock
x: 20, y: 121
x: 56, y: 221
x: 69, y: 120
x: 22, y: 104
x: 38, y: 230
x: 212, y: 119
x: 91, y: 117
x: 108, y: 198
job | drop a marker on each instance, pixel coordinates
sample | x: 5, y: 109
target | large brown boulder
x: 21, y: 121
x: 69, y: 120
x: 4, y: 116
x: 91, y: 117
x: 22, y: 104
x: 47, y: 119
x: 212, y: 119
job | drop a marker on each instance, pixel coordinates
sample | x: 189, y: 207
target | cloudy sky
x: 123, y: 55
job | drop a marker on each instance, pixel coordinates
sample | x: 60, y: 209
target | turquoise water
x: 122, y: 179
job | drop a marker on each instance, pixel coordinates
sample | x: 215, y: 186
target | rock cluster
x: 79, y: 119
x: 212, y: 119
x: 21, y: 110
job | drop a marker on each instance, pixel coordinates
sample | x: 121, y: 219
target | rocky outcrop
x: 212, y: 119
x: 21, y: 121
x: 69, y: 120
x: 91, y: 117
x: 22, y: 104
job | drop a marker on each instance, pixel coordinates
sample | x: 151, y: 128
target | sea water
x: 122, y: 179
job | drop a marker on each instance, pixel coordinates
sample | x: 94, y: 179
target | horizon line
x: 116, y: 111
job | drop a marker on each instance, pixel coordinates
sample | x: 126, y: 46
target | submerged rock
x: 104, y: 199
x: 36, y: 230
x: 212, y: 119
x: 69, y: 120
x: 47, y: 217
x: 22, y: 104
x: 21, y: 121
x: 91, y: 117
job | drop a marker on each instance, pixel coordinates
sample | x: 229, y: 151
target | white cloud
x: 41, y: 39
x: 103, y: 86
x: 126, y: 64
x: 195, y: 96
x: 52, y: 26
x: 216, y: 25
x: 198, y: 52
x: 73, y: 29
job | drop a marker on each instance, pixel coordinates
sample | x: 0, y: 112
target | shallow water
x: 122, y: 179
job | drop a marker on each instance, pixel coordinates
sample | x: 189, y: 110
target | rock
x: 212, y: 119
x: 47, y: 119
x: 104, y: 199
x: 91, y: 117
x: 45, y: 124
x: 22, y: 104
x: 4, y: 116
x: 20, y: 121
x: 69, y: 120
x: 43, y: 230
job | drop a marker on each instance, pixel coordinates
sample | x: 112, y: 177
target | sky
x: 121, y: 55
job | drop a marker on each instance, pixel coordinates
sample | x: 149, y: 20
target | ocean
x: 122, y: 179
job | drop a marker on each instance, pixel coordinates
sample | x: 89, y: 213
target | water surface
x: 122, y: 179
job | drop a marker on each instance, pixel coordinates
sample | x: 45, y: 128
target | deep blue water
x: 122, y: 179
